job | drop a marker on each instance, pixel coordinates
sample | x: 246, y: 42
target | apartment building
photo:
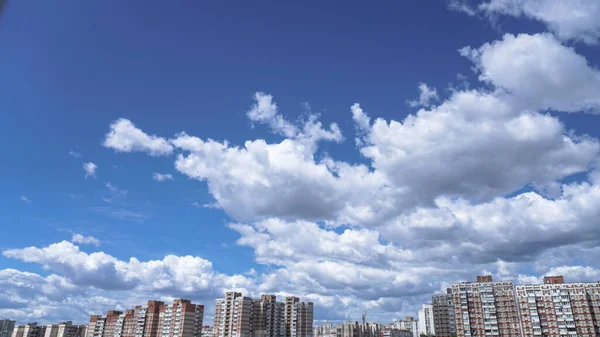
x: 302, y: 318
x: 96, y: 326
x: 148, y: 317
x: 426, y: 324
x: 409, y: 323
x: 392, y: 332
x: 6, y: 327
x: 485, y: 308
x: 269, y: 317
x: 557, y: 309
x: 180, y: 319
x: 290, y: 301
x: 126, y: 324
x: 234, y: 316
x: 356, y: 329
x: 110, y: 323
x: 239, y: 316
x: 443, y: 314
x: 67, y: 329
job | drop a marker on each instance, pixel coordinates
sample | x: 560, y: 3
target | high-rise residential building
x: 32, y: 330
x: 110, y: 323
x: 485, y: 308
x: 67, y: 329
x: 302, y: 319
x: 443, y: 314
x: 96, y: 326
x: 234, y: 316
x: 239, y: 316
x: 269, y: 317
x: 181, y: 319
x: 18, y: 331
x: 426, y: 324
x: 51, y: 330
x: 6, y: 327
x: 290, y: 301
x: 559, y: 309
x: 126, y: 324
x: 151, y: 314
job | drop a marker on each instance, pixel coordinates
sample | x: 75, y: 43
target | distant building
x: 485, y: 308
x: 556, y: 308
x: 410, y: 324
x: 426, y: 324
x: 239, y: 316
x: 392, y: 332
x: 443, y: 315
x: 180, y: 319
x: 6, y: 327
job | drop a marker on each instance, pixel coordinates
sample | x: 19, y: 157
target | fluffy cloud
x: 162, y: 176
x: 85, y: 240
x: 24, y: 198
x: 426, y: 96
x: 90, y: 169
x: 573, y: 19
x: 539, y: 72
x: 124, y: 136
x: 173, y: 274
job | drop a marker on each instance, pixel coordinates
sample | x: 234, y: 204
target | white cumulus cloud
x: 85, y: 240
x: 162, y: 176
x: 90, y: 169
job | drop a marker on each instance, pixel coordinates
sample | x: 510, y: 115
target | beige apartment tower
x: 180, y: 319
x: 234, y: 316
x: 485, y: 308
x: 557, y: 309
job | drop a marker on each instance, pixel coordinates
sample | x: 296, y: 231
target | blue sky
x: 508, y: 134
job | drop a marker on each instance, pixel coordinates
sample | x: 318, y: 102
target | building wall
x: 485, y: 309
x: 559, y: 309
x: 443, y: 315
x: 426, y: 323
x: 6, y: 327
x: 181, y: 319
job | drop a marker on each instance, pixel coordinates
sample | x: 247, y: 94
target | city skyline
x: 357, y: 156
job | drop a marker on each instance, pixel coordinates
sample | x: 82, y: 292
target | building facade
x: 234, y: 316
x: 239, y: 316
x: 443, y: 315
x: 485, y: 308
x: 6, y: 327
x: 558, y: 309
x: 180, y: 319
x: 269, y: 317
x: 302, y: 319
x: 409, y: 323
x: 426, y: 324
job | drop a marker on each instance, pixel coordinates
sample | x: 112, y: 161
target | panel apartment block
x: 234, y: 316
x: 485, y: 308
x: 181, y: 319
x: 557, y: 309
x: 6, y: 327
x: 443, y: 314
